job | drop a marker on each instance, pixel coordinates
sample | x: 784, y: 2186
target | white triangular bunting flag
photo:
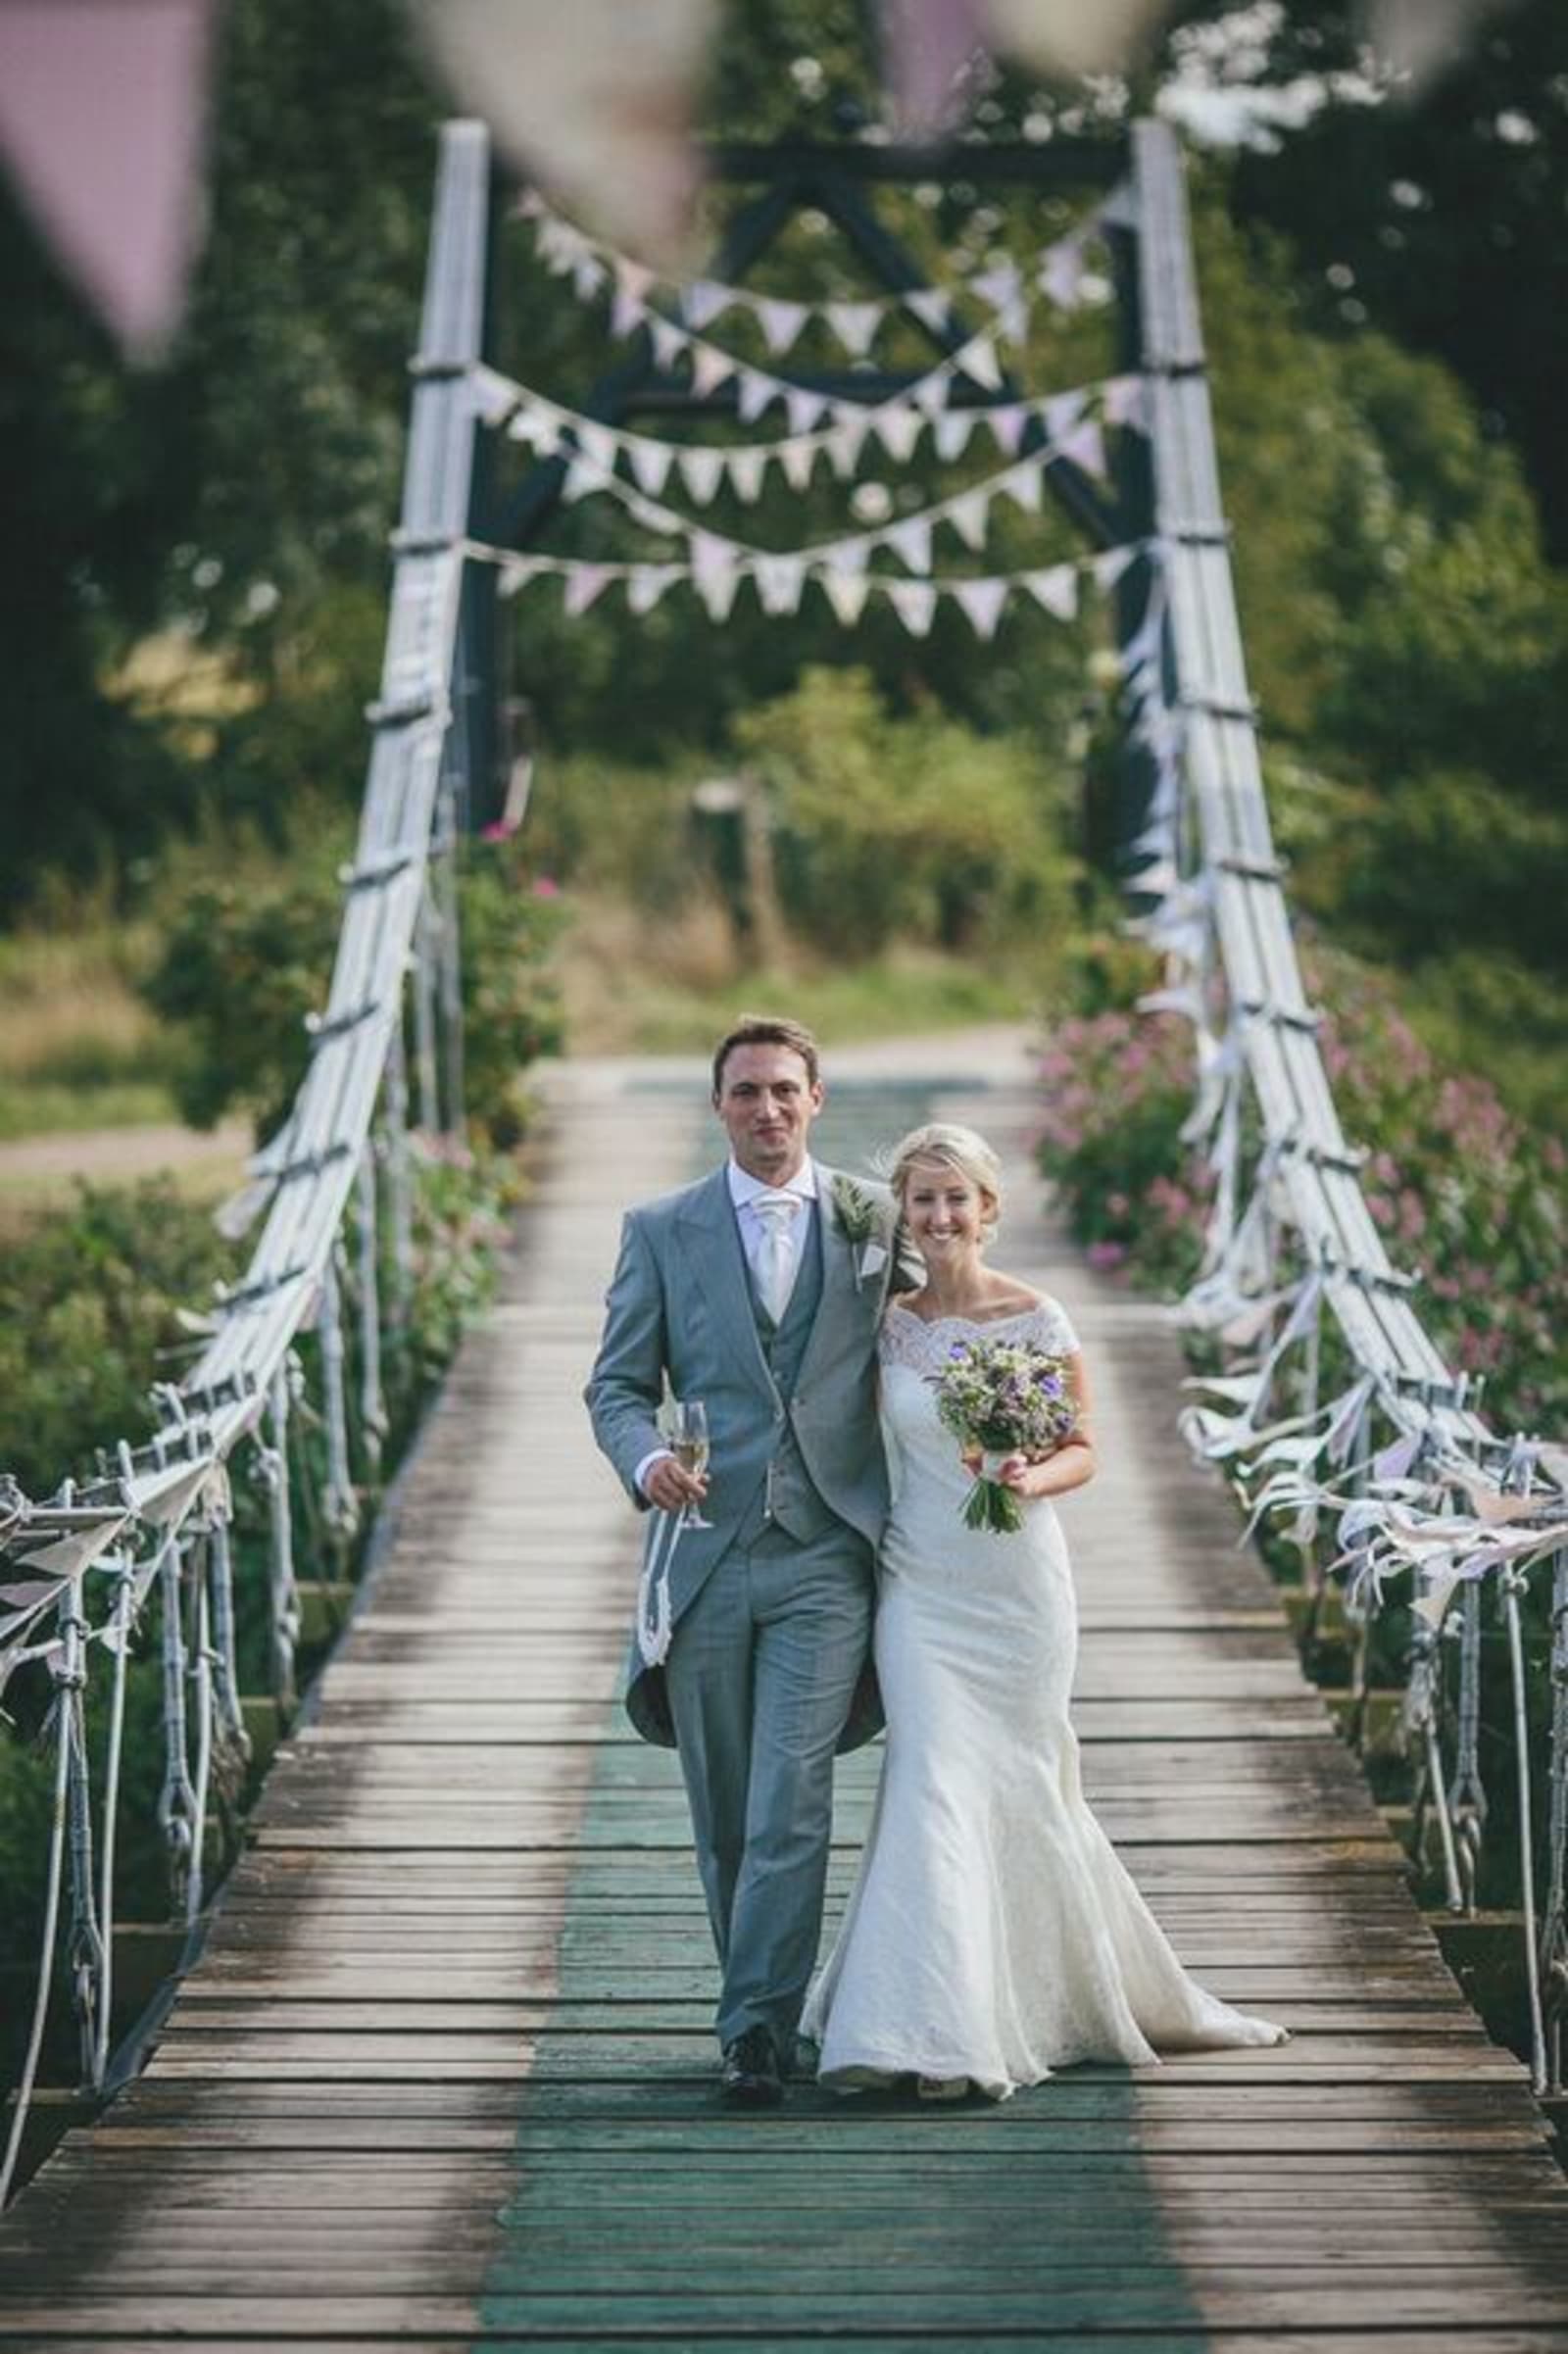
x: 779, y: 581
x: 710, y: 368
x: 587, y: 277
x: 495, y: 399
x: 982, y: 601
x: 634, y: 277
x: 1109, y: 568
x: 669, y: 341
x: 796, y: 458
x: 1012, y: 324
x: 702, y: 302
x: 627, y: 313
x: 1062, y: 411
x: 978, y: 359
x: 1000, y: 286
x: 597, y: 443
x: 846, y: 592
x: 897, y: 429
x: 516, y: 572
x: 710, y: 556
x: 970, y: 514
x: 746, y: 469
x: 1024, y: 486
x: 650, y: 461
x: 1085, y: 445
x: 844, y: 444
x: 1056, y: 589
x: 1007, y: 426
x: 718, y: 592
x: 580, y: 479
x: 951, y: 431
x: 781, y: 322
x: 752, y: 393
x: 914, y: 601
x: 854, y: 325
x: 846, y: 554
x: 646, y: 583
x: 804, y: 408
x: 581, y: 583
x: 911, y: 540
x: 536, y: 427
x: 931, y: 395
x: 1062, y: 274
x: 1123, y: 402
x: 702, y: 470
x: 931, y: 307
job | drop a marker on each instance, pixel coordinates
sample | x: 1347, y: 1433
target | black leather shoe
x: 750, y: 2075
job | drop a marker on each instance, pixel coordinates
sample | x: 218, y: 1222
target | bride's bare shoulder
x: 1014, y: 1297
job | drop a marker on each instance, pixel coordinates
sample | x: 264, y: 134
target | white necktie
x: 776, y: 1260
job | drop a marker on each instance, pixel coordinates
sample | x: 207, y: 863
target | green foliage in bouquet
x: 1001, y: 1398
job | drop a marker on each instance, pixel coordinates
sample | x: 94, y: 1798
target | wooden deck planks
x: 444, y: 2074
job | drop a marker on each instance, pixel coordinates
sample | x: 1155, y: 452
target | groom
x: 757, y: 1290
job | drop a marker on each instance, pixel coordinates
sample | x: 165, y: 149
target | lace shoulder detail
x: 923, y: 1345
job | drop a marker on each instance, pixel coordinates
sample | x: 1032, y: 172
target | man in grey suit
x: 756, y: 1291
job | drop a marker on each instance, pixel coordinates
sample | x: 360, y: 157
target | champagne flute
x: 688, y: 1441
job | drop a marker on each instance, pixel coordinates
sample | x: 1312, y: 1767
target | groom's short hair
x: 766, y: 1030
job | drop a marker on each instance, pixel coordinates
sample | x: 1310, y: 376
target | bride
x: 992, y: 1934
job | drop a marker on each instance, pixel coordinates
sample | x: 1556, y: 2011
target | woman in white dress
x: 992, y: 1934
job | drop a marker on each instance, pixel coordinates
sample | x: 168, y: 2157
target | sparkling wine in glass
x: 689, y: 1446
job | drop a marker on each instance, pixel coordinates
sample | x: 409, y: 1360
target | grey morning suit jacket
x: 680, y: 1300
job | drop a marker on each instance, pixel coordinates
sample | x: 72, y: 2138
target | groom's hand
x: 666, y: 1484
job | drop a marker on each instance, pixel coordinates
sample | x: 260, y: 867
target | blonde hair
x: 960, y: 1149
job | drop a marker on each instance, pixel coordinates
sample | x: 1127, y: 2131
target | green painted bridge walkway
x: 444, y: 2075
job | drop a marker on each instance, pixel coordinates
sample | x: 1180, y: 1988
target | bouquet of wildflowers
x: 1000, y: 1399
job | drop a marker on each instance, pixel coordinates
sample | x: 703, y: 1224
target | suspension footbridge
x: 438, y: 2068
x: 444, y: 2073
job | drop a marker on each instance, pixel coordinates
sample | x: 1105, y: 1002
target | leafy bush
x: 241, y: 967
x: 917, y: 829
x: 88, y: 1302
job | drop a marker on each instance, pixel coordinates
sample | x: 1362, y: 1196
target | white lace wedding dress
x: 992, y: 1932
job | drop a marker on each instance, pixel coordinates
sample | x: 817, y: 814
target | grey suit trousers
x: 761, y: 1674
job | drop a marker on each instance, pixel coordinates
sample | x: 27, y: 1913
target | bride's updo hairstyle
x: 955, y: 1147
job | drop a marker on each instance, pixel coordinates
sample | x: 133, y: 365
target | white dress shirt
x: 742, y: 1191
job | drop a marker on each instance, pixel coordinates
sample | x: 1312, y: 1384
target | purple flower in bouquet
x: 999, y: 1398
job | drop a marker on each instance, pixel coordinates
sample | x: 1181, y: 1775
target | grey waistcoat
x: 787, y: 1497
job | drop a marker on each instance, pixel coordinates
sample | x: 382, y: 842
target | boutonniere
x: 856, y: 1217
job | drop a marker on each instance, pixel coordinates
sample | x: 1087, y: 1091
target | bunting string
x: 977, y: 361
x: 779, y: 581
x: 1058, y: 273
x: 899, y: 425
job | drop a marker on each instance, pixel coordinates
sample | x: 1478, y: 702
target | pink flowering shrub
x: 1118, y: 1088
x: 1465, y: 1195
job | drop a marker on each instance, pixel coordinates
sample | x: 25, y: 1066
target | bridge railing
x: 1397, y: 1474
x: 337, y: 1184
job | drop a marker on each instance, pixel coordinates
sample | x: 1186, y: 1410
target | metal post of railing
x: 427, y: 951
x: 282, y: 1590
x: 373, y: 1404
x: 339, y: 1501
x: 120, y: 1615
x: 54, y: 1874
x: 445, y: 876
